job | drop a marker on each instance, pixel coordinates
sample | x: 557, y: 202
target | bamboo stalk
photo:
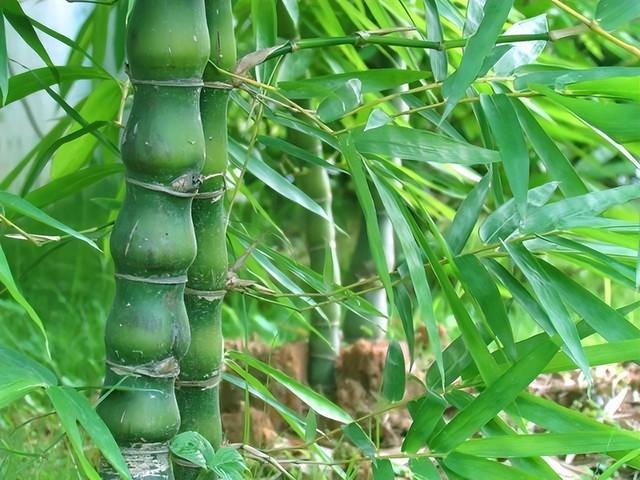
x: 201, y: 368
x: 325, y: 338
x: 153, y: 241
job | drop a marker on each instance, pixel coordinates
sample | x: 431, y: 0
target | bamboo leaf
x: 264, y: 21
x: 611, y: 14
x: 513, y: 150
x: 20, y: 375
x: 27, y: 83
x: 426, y: 412
x: 6, y: 278
x: 405, y: 312
x: 383, y: 469
x: 522, y: 53
x: 72, y: 408
x: 374, y: 80
x: 580, y: 210
x: 616, y: 120
x: 478, y: 47
x: 438, y: 59
x: 423, y: 469
x: 421, y: 145
x: 481, y: 286
x: 312, y: 399
x: 23, y: 207
x: 548, y: 444
x: 359, y: 438
x: 394, y: 376
x: 297, y: 152
x: 474, y: 467
x: 344, y: 99
x: 552, y: 304
x: 272, y: 178
x: 192, y: 447
x: 23, y: 25
x: 398, y: 216
x: 504, y: 220
x: 554, y: 160
x: 560, y: 78
x: 601, y: 354
x: 496, y: 397
x: 356, y: 166
x: 467, y: 215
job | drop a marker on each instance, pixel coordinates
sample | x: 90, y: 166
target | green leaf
x: 371, y: 81
x: 496, y: 397
x: 577, y: 211
x: 423, y: 469
x: 611, y: 14
x: 192, y: 447
x: 551, y: 302
x: 504, y: 220
x: 6, y: 278
x: 522, y: 53
x: 478, y: 47
x: 481, y: 286
x: 312, y: 399
x: 383, y: 469
x: 22, y: 24
x: 312, y: 425
x: 23, y: 207
x: 297, y: 152
x: 344, y: 99
x: 264, y: 21
x: 438, y: 59
x: 27, y: 83
x: 601, y: 354
x: 608, y: 322
x: 467, y: 215
x: 405, y: 312
x: 394, y: 376
x: 615, y: 87
x: 227, y: 463
x: 513, y: 149
x: 550, y: 444
x: 70, y: 184
x: 275, y: 181
x: 72, y: 408
x: 357, y: 168
x: 421, y: 145
x: 560, y: 78
x: 102, y: 104
x: 20, y: 375
x: 554, y: 160
x: 4, y: 63
x: 360, y: 439
x: 617, y: 120
x: 474, y: 467
x: 399, y: 217
x: 426, y: 413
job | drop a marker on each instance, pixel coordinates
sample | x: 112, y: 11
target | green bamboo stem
x: 371, y: 38
x: 198, y: 385
x: 153, y: 241
x: 325, y: 339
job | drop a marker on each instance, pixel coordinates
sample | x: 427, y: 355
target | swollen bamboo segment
x: 153, y: 242
x: 200, y: 370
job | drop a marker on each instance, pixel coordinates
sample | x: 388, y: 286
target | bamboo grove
x: 324, y: 239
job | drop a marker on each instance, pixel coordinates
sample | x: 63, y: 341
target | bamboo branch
x: 595, y: 27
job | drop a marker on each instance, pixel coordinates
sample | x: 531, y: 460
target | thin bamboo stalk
x: 153, y: 242
x: 198, y: 384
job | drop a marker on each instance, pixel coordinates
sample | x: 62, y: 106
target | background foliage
x: 508, y: 170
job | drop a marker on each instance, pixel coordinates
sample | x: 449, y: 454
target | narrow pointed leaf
x: 394, y: 375
x: 438, y: 59
x: 467, y: 215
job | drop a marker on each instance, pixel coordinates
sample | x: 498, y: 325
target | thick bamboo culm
x: 324, y: 341
x: 200, y: 370
x: 153, y: 241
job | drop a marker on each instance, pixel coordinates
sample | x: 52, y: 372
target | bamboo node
x: 209, y: 295
x: 177, y: 280
x: 218, y: 85
x: 177, y: 189
x: 165, y: 368
x: 205, y: 384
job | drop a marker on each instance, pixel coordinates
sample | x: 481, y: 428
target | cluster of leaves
x: 505, y: 168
